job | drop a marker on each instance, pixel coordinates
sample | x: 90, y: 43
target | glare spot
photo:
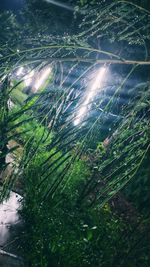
x: 19, y: 71
x: 28, y: 78
x: 80, y: 115
x: 41, y: 79
x: 91, y: 94
x: 3, y: 78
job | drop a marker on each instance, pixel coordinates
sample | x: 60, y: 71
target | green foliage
x: 3, y: 122
x: 138, y: 189
x: 67, y: 182
x: 18, y: 96
x: 77, y: 180
x: 61, y: 234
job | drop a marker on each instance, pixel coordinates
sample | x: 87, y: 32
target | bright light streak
x: 41, y: 79
x: 57, y: 3
x: 3, y: 78
x: 96, y: 85
x: 28, y: 78
x: 10, y: 104
x: 19, y: 71
x: 80, y: 115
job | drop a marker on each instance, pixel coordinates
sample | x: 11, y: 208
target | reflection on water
x: 8, y: 215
